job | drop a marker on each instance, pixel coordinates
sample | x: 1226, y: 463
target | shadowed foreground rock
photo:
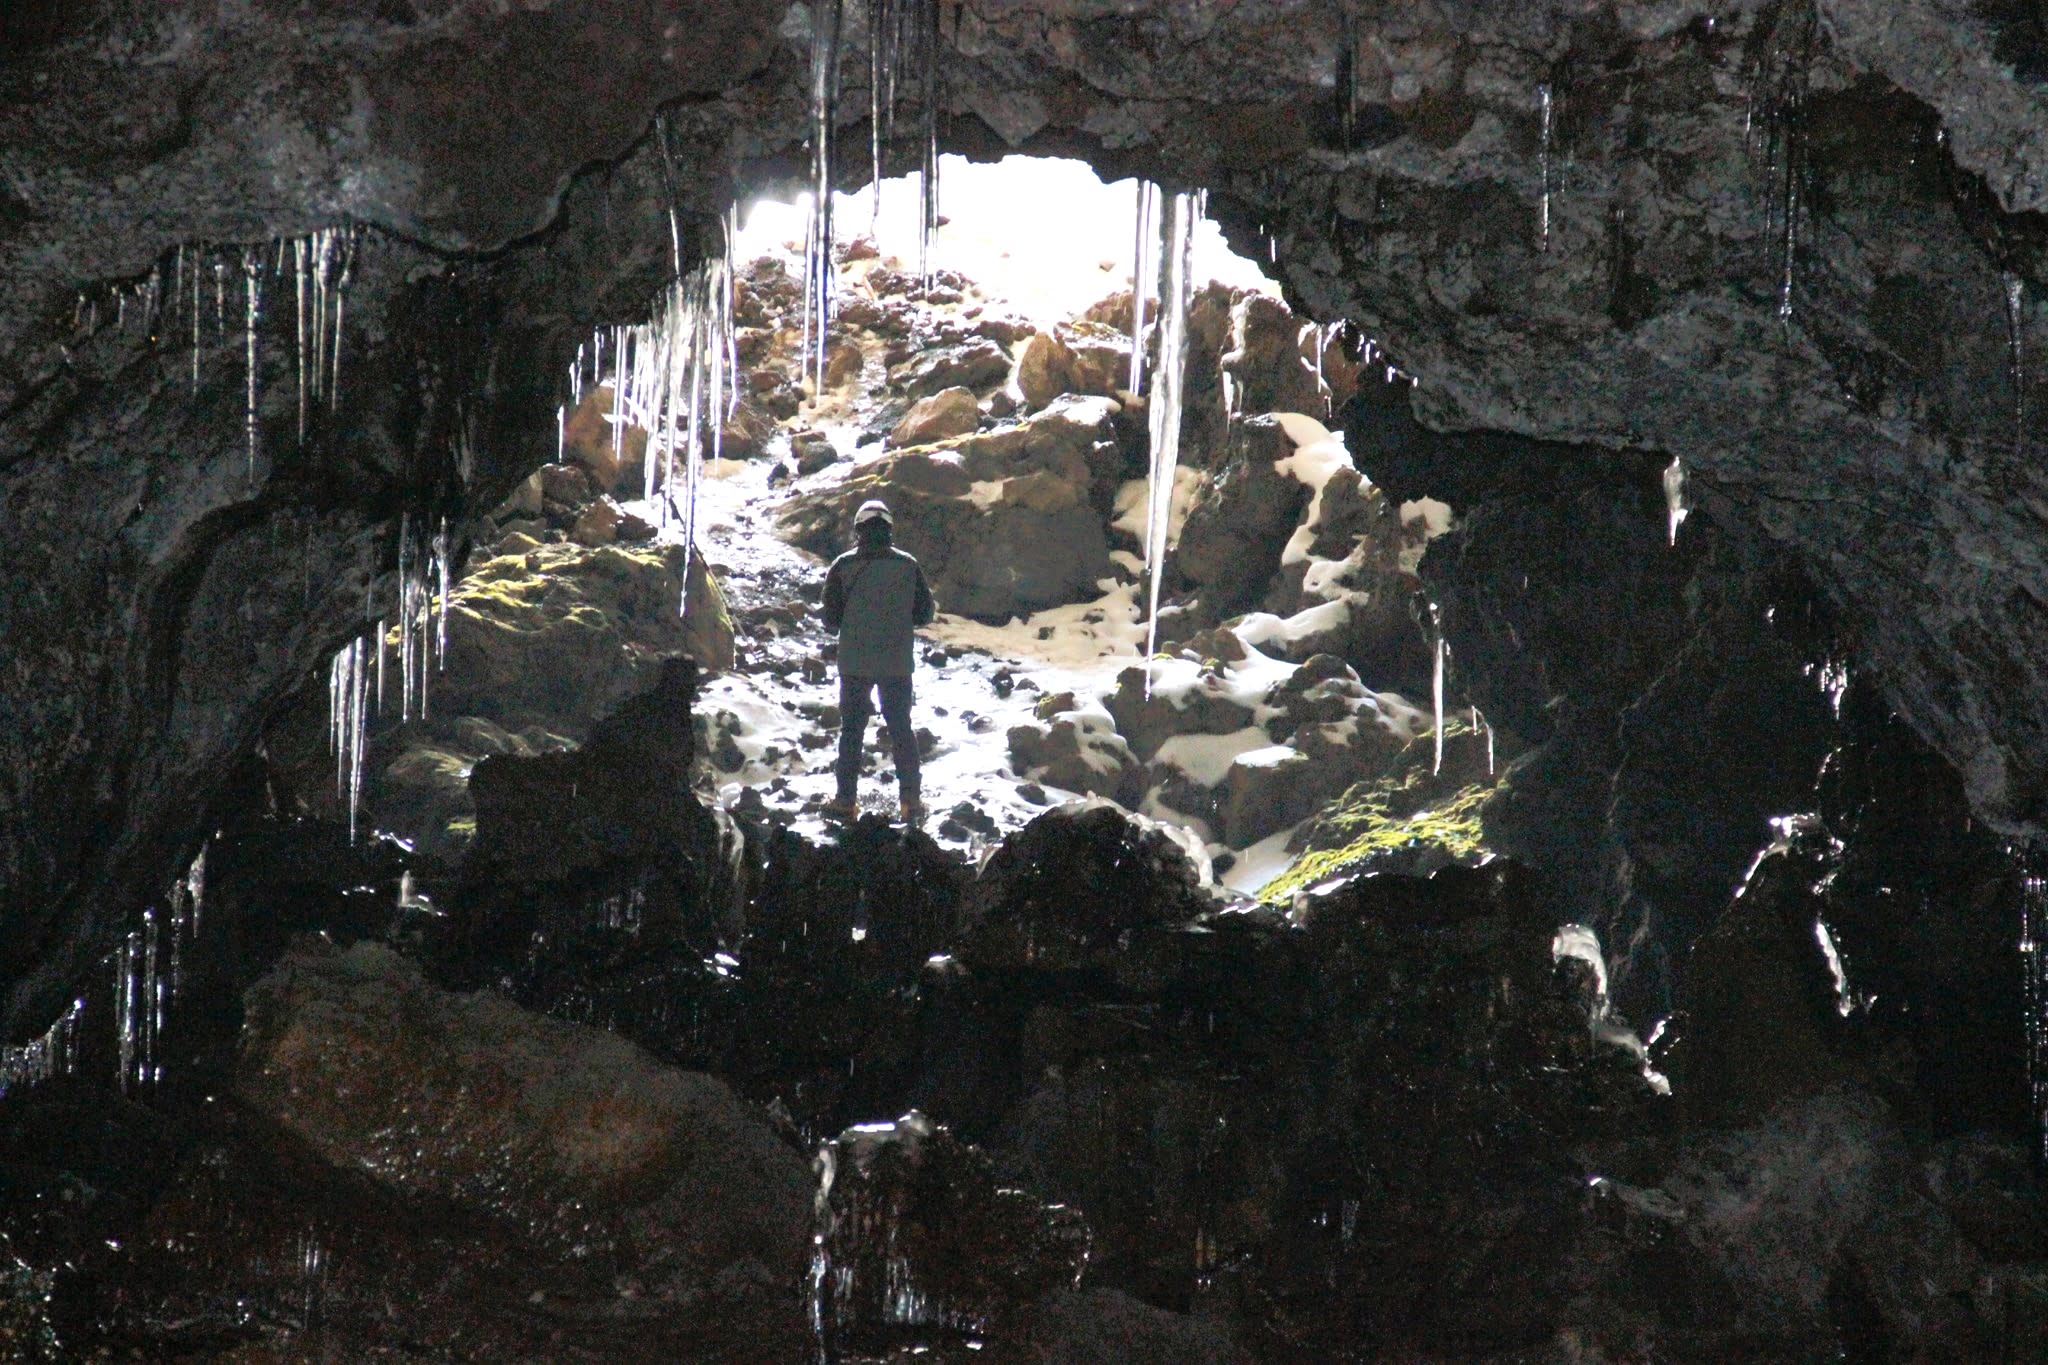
x: 681, y: 1192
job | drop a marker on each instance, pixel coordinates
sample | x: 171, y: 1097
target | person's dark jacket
x: 875, y: 598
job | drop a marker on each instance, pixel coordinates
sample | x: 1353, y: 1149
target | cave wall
x: 503, y: 168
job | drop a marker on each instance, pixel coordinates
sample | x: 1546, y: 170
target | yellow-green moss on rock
x: 1406, y: 818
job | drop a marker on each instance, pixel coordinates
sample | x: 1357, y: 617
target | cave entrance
x: 1293, y: 721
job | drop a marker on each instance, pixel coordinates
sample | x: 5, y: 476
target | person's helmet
x: 874, y: 509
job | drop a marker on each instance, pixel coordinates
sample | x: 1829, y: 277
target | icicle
x: 443, y: 574
x: 1144, y: 267
x: 2016, y: 346
x: 348, y: 698
x: 818, y: 267
x: 249, y: 295
x: 125, y: 1011
x: 299, y: 292
x: 195, y: 327
x: 1543, y: 161
x: 561, y: 433
x: 1176, y: 288
x: 1436, y: 681
x: 2034, y: 976
x: 340, y: 311
x: 928, y: 175
x: 1675, y: 510
x: 51, y: 1053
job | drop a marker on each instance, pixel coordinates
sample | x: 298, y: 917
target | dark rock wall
x: 159, y: 607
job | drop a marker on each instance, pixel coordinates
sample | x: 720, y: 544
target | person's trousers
x: 856, y: 704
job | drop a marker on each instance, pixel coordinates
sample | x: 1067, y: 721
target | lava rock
x: 945, y: 414
x: 470, y: 1101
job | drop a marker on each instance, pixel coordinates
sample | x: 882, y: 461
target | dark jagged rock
x: 1067, y: 892
x: 577, y: 1138
x: 916, y: 1231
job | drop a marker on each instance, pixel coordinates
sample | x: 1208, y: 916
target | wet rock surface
x: 1792, y: 254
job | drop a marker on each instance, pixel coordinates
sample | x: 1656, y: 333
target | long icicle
x: 1144, y: 265
x: 1175, y: 290
x: 932, y: 71
x: 818, y: 270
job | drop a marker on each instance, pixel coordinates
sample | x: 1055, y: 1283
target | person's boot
x: 913, y: 809
x: 841, y: 807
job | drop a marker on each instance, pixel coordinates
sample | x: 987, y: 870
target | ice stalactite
x: 1438, y: 668
x: 1675, y: 510
x: 425, y: 576
x: 1176, y: 290
x: 2034, y: 970
x: 827, y: 21
x: 1775, y: 128
x: 904, y: 48
x: 680, y: 386
x: 348, y: 697
x: 53, y: 1052
x: 1144, y: 275
x: 251, y: 272
x: 2016, y: 357
x: 1547, y: 116
x: 140, y: 989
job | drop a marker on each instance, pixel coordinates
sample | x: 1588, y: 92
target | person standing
x: 875, y: 598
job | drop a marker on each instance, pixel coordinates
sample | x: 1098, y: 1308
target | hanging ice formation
x: 899, y: 33
x: 50, y: 1053
x: 1176, y: 289
x: 1675, y: 510
x: 348, y: 706
x: 1543, y: 162
x: 1777, y: 101
x: 2016, y: 349
x: 679, y: 386
x: 826, y: 22
x: 2034, y: 969
x: 1438, y: 668
x: 1144, y: 275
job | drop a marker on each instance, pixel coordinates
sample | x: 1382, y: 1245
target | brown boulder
x: 587, y: 440
x: 598, y: 524
x: 1045, y: 369
x: 570, y: 1132
x: 945, y: 414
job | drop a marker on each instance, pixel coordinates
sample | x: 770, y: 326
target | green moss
x: 1376, y: 819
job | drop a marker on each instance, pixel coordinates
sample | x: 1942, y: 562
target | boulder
x: 1062, y: 893
x: 1264, y: 361
x: 1230, y: 547
x: 587, y: 440
x: 1078, y: 751
x: 943, y: 415
x: 1099, y: 358
x: 746, y: 433
x: 1045, y: 369
x: 469, y: 1103
x: 916, y: 1230
x: 564, y: 489
x: 1005, y: 522
x: 1187, y: 698
x: 598, y: 524
x: 558, y: 636
x: 976, y: 363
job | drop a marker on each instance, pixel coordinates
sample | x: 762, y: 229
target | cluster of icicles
x: 205, y: 292
x: 144, y: 975
x: 356, y: 674
x: 904, y: 46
